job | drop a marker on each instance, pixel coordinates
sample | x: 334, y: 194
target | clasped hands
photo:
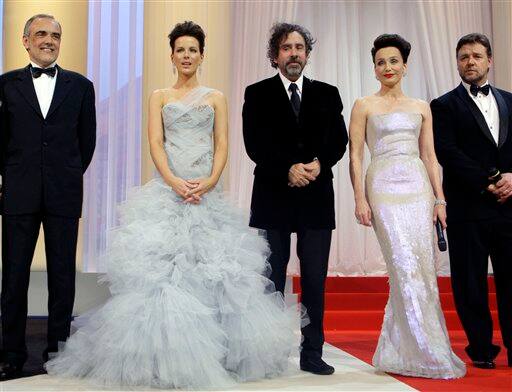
x: 191, y: 190
x: 503, y: 188
x: 301, y: 174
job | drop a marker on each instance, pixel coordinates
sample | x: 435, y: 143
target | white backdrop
x: 116, y: 31
x: 345, y: 32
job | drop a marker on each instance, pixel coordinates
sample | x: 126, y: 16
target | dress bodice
x: 393, y: 134
x: 188, y: 128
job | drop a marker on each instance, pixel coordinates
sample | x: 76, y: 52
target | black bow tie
x: 474, y: 89
x: 36, y: 72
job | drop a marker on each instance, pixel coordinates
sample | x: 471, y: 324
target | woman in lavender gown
x: 401, y: 199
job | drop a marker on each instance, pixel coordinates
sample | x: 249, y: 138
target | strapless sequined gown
x: 191, y: 306
x: 414, y: 340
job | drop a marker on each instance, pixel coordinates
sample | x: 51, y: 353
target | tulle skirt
x: 191, y: 305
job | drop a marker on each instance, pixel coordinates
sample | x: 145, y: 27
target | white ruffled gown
x: 191, y: 306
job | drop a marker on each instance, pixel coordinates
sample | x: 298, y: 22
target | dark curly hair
x: 190, y: 29
x: 475, y: 38
x: 393, y: 41
x: 279, y: 32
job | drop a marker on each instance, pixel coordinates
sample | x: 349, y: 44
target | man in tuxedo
x: 295, y: 133
x: 473, y: 139
x: 48, y: 132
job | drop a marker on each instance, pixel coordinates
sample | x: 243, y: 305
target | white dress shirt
x: 44, y: 86
x: 489, y: 108
x: 287, y: 83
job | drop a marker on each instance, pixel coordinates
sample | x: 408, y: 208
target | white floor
x: 351, y: 374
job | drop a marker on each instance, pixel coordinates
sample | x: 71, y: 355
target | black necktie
x: 295, y: 99
x: 36, y: 72
x: 474, y: 89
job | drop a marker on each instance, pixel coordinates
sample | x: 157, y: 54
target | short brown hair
x: 474, y: 38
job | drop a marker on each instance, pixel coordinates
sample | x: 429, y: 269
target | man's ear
x: 24, y: 41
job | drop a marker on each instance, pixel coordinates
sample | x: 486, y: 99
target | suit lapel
x: 504, y: 116
x: 477, y: 114
x: 62, y: 88
x: 25, y: 86
x: 305, y: 98
x: 283, y: 99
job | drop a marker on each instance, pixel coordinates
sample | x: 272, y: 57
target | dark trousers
x: 471, y: 244
x: 19, y: 237
x: 313, y: 250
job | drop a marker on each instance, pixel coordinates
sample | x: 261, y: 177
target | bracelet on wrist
x: 439, y: 202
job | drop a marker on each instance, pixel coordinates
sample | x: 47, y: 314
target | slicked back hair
x: 474, y: 38
x: 392, y: 41
x: 26, y: 29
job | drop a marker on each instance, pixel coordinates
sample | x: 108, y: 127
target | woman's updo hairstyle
x: 394, y: 41
x: 189, y: 29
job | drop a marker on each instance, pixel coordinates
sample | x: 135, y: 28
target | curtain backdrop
x: 115, y: 57
x: 345, y: 32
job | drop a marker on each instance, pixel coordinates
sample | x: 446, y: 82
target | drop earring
x: 200, y: 70
x: 174, y: 69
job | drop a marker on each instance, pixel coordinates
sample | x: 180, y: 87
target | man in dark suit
x: 473, y: 138
x: 295, y: 133
x: 48, y: 132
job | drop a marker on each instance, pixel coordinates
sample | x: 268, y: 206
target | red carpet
x: 353, y: 316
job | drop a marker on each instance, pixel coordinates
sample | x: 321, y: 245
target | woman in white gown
x: 402, y: 196
x: 191, y: 306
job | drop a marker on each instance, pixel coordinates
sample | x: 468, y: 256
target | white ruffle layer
x: 191, y: 306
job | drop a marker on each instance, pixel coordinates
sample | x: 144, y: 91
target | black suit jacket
x: 275, y: 140
x: 467, y: 150
x: 42, y: 160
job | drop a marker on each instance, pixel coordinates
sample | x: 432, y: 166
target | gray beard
x: 293, y: 71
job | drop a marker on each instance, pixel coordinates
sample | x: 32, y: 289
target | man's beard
x: 294, y: 70
x: 476, y: 79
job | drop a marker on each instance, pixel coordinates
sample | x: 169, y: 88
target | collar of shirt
x: 34, y: 65
x: 468, y: 86
x: 287, y: 82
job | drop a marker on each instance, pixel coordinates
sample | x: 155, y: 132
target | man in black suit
x: 48, y: 133
x: 295, y: 133
x: 473, y: 135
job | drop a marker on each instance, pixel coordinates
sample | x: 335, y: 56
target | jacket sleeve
x: 450, y: 156
x: 87, y: 127
x: 270, y: 163
x: 334, y: 144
